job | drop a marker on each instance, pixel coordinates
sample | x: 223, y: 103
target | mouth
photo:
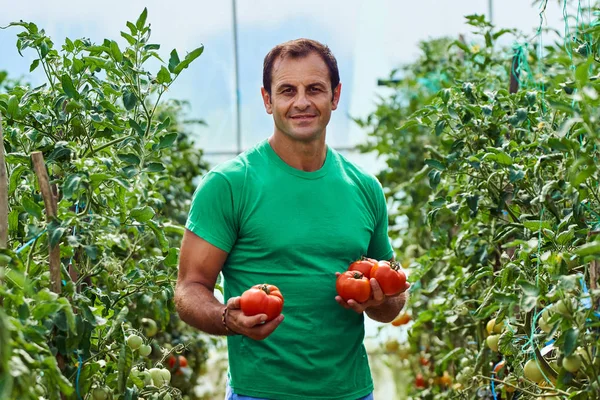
x: 303, y: 117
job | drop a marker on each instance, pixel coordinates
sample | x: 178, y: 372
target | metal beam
x: 237, y: 79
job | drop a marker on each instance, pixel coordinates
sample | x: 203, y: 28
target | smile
x: 303, y: 117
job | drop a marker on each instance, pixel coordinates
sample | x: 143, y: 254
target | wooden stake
x: 3, y: 193
x: 51, y: 208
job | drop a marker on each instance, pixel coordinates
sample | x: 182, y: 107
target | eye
x: 315, y: 89
x: 287, y: 90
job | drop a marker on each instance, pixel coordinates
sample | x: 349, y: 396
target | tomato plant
x: 353, y: 285
x: 492, y: 156
x: 262, y: 299
x: 120, y: 163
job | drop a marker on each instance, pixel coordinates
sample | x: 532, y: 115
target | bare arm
x: 199, y: 266
x: 389, y: 309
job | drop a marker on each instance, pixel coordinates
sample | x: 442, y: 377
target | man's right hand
x: 253, y: 326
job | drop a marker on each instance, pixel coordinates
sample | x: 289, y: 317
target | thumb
x: 234, y: 303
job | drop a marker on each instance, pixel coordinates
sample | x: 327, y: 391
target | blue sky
x: 368, y: 38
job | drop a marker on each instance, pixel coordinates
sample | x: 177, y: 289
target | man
x: 293, y: 213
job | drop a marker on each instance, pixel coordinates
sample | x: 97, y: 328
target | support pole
x: 51, y: 208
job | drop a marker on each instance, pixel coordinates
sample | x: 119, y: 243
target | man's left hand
x: 377, y: 297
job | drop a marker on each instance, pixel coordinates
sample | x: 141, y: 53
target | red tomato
x: 390, y: 277
x: 262, y: 299
x: 402, y: 319
x: 420, y: 381
x: 353, y: 285
x: 364, y: 265
x: 173, y: 363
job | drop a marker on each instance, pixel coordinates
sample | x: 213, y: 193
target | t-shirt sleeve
x: 212, y: 214
x: 380, y: 247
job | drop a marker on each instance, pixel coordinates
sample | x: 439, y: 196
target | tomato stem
x: 265, y: 288
x: 358, y: 275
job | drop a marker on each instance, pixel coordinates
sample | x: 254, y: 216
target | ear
x: 266, y: 100
x: 336, y: 96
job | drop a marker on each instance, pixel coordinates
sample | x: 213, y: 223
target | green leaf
x: 582, y: 73
x: 570, y: 340
x: 55, y: 232
x: 57, y: 380
x: 163, y: 76
x: 439, y: 127
x: 408, y: 124
x: 124, y: 365
x: 155, y: 167
x: 435, y: 164
x: 12, y: 109
x: 515, y: 175
x: 45, y: 310
x: 536, y: 225
x: 68, y: 87
x: 434, y: 178
x: 129, y: 100
x: 141, y: 22
x: 129, y: 158
x: 130, y: 39
x: 189, y: 58
x: 173, y: 61
x: 71, y: 185
x: 588, y: 249
x: 167, y: 140
x: 140, y: 131
x: 115, y: 51
x: 132, y: 28
x: 160, y: 236
x: 32, y: 208
x: 528, y: 288
x: 34, y: 65
x: 172, y: 257
x: 142, y: 214
x: 164, y: 124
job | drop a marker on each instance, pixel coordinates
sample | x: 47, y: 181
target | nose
x: 302, y: 102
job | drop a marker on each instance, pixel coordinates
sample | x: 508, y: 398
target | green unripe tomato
x: 145, y: 350
x: 543, y: 322
x: 564, y: 308
x: 100, y: 393
x: 492, y: 342
x: 150, y: 327
x: 572, y: 363
x: 532, y: 371
x: 134, y: 342
x: 160, y: 376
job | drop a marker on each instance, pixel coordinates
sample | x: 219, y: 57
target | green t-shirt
x: 294, y: 229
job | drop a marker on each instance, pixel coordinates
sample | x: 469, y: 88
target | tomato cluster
x: 354, y: 283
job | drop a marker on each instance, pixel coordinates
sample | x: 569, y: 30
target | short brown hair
x: 300, y: 48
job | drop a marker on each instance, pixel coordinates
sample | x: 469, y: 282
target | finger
x: 267, y: 328
x: 377, y: 295
x: 341, y: 302
x: 356, y: 306
x: 337, y: 274
x: 253, y: 320
x: 234, y: 303
x: 406, y: 286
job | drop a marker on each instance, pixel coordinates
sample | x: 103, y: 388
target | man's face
x: 301, y: 98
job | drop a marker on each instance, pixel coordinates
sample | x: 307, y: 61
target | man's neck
x: 305, y: 156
